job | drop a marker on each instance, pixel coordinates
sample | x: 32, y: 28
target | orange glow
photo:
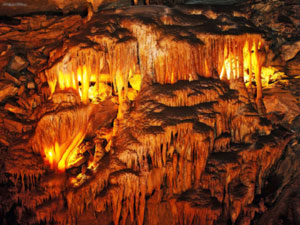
x: 58, y: 155
x: 52, y: 155
x: 172, y: 78
x: 119, y: 81
x: 250, y: 62
x: 131, y: 94
x: 271, y: 74
x: 76, y: 141
x: 52, y: 85
x: 245, y: 62
x: 94, y: 87
x: 49, y: 157
x: 85, y: 82
x: 230, y: 68
x: 135, y: 81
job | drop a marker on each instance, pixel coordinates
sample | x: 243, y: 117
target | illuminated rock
x: 61, y: 131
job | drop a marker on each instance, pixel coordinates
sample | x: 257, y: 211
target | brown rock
x: 5, y: 138
x: 34, y: 100
x: 293, y: 66
x: 12, y: 78
x: 21, y: 90
x: 31, y: 85
x: 275, y: 61
x: 12, y: 8
x: 2, y: 116
x: 5, y: 52
x: 162, y: 143
x: 7, y: 89
x: 69, y: 97
x: 281, y: 101
x: 45, y: 91
x: 13, y: 126
x: 24, y: 102
x: 289, y: 51
x: 66, y: 124
x: 22, y: 78
x: 18, y: 63
x: 14, y: 109
x: 296, y: 124
x: 16, y: 126
x: 27, y: 127
x: 3, y: 62
x: 37, y: 61
x: 4, y: 141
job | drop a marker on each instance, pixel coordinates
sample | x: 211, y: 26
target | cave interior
x: 174, y: 112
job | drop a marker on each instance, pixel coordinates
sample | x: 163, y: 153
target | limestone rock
x: 293, y: 66
x: 4, y: 141
x: 37, y: 61
x: 17, y: 63
x: 289, y: 51
x: 66, y: 97
x: 6, y: 138
x: 12, y: 78
x: 14, y: 109
x: 21, y: 90
x: 68, y: 126
x: 7, y: 89
x: 5, y: 54
x: 23, y: 78
x: 296, y: 124
x: 280, y: 20
x: 278, y: 100
x: 31, y: 85
x: 281, y: 191
x: 16, y: 126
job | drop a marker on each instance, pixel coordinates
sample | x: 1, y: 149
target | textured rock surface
x: 7, y: 89
x: 282, y: 102
x: 293, y: 67
x: 19, y: 7
x: 281, y: 22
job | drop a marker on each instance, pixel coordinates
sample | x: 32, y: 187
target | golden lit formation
x: 95, y: 77
x: 246, y: 63
x: 92, y: 87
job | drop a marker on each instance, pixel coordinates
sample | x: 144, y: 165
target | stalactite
x: 249, y: 49
x: 172, y: 132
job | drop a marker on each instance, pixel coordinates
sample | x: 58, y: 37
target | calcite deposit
x: 146, y: 115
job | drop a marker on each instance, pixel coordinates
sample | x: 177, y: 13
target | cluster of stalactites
x: 95, y: 74
x: 170, y: 59
x: 239, y: 56
x: 167, y: 59
x: 243, y: 57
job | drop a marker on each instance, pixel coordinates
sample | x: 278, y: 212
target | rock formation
x: 147, y: 115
